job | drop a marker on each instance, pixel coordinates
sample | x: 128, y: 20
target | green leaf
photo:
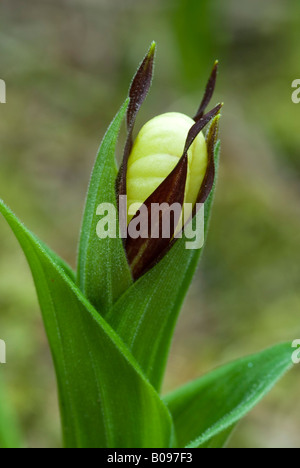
x: 9, y: 430
x: 103, y: 270
x: 209, y: 406
x: 104, y: 398
x: 57, y: 260
x: 220, y: 440
x: 145, y: 316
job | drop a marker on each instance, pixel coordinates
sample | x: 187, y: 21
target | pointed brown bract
x: 208, y: 181
x: 140, y: 86
x: 144, y: 251
x: 209, y: 91
x: 138, y: 91
x: 199, y: 126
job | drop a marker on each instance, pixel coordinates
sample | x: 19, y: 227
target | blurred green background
x: 68, y: 66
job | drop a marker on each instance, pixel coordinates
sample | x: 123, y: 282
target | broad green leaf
x: 145, y: 316
x: 9, y: 430
x: 95, y: 371
x: 58, y: 260
x: 209, y: 406
x: 103, y: 270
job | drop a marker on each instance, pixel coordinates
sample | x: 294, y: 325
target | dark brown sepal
x: 199, y: 126
x: 208, y: 181
x: 138, y: 92
x: 209, y: 91
x: 143, y: 252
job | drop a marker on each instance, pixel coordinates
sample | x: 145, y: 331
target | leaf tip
x: 152, y: 49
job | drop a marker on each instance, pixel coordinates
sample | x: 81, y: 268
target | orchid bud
x: 170, y: 163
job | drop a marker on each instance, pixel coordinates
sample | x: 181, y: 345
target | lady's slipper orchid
x: 170, y: 162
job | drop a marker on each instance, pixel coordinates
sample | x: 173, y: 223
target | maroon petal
x: 143, y: 251
x: 199, y: 126
x: 138, y: 91
x: 209, y: 91
x: 208, y: 181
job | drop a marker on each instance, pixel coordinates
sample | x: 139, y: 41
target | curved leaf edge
x: 230, y: 419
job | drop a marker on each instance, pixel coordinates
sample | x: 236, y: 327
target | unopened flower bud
x: 169, y: 167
